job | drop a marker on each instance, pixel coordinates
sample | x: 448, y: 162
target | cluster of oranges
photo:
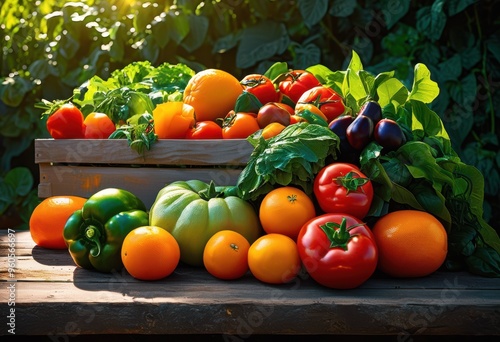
x: 411, y: 243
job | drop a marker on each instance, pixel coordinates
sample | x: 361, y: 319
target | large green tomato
x: 192, y: 211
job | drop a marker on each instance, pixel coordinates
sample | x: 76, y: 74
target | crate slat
x: 163, y: 152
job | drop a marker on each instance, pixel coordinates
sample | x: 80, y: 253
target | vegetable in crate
x: 65, y: 120
x: 293, y: 157
x: 94, y: 234
x: 193, y: 211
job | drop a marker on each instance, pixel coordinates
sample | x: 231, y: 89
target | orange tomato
x: 239, y: 125
x: 273, y: 129
x: 98, y: 126
x: 49, y: 217
x: 411, y: 243
x: 274, y: 259
x: 226, y: 255
x: 172, y: 120
x: 150, y: 253
x: 310, y: 107
x: 212, y: 93
x: 285, y: 210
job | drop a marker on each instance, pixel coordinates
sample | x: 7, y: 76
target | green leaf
x: 422, y: 164
x: 457, y: 6
x: 158, y: 28
x: 306, y: 55
x: 179, y: 24
x: 423, y: 118
x: 450, y: 69
x: 424, y: 89
x: 342, y: 8
x: 493, y: 45
x: 393, y: 11
x: 464, y: 91
x: 21, y: 180
x: 292, y: 157
x: 247, y: 102
x: 276, y: 70
x: 392, y: 90
x: 197, y: 34
x: 431, y: 20
x: 260, y: 42
x: 13, y: 90
x: 312, y: 11
x: 226, y: 43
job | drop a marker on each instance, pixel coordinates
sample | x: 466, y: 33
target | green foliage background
x: 50, y: 47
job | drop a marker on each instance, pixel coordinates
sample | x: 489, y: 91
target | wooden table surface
x: 53, y: 297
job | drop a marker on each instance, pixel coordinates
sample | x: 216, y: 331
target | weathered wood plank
x: 144, y: 182
x: 53, y: 297
x: 163, y: 152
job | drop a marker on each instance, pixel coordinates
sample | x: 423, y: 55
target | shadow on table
x: 52, y: 257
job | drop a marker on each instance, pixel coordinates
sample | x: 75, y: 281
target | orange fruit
x: 150, y: 253
x: 274, y: 259
x: 172, y: 120
x: 226, y: 255
x: 284, y: 210
x: 272, y: 129
x: 49, y: 217
x: 411, y: 243
x: 212, y: 93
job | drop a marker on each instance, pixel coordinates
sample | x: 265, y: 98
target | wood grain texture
x: 53, y: 297
x: 144, y: 182
x: 163, y: 152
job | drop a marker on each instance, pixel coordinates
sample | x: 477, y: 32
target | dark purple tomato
x: 388, y: 134
x: 360, y: 132
x: 273, y: 112
x: 372, y: 110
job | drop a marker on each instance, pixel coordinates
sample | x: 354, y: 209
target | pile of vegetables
x: 385, y: 129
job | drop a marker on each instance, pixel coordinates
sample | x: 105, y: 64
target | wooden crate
x: 81, y: 167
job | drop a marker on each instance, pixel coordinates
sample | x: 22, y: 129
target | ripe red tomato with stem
x: 326, y: 99
x: 337, y: 250
x: 65, y: 121
x: 262, y: 87
x: 343, y: 188
x: 294, y: 83
x: 239, y: 125
x: 98, y: 126
x: 205, y: 130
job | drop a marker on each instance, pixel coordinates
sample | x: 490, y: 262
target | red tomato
x: 98, y: 126
x: 326, y: 99
x: 239, y: 125
x: 343, y: 188
x: 337, y: 250
x: 273, y: 112
x: 66, y: 123
x: 205, y: 130
x: 296, y: 82
x: 262, y: 87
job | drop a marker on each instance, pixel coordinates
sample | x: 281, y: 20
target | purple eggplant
x: 372, y: 110
x: 388, y: 134
x: 339, y: 125
x: 347, y: 153
x: 360, y: 132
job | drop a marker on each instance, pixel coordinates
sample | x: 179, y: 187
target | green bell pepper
x: 94, y: 235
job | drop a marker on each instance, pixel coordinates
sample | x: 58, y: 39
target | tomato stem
x: 351, y: 181
x: 338, y: 234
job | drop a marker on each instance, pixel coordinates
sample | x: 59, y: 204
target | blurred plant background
x: 50, y: 47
